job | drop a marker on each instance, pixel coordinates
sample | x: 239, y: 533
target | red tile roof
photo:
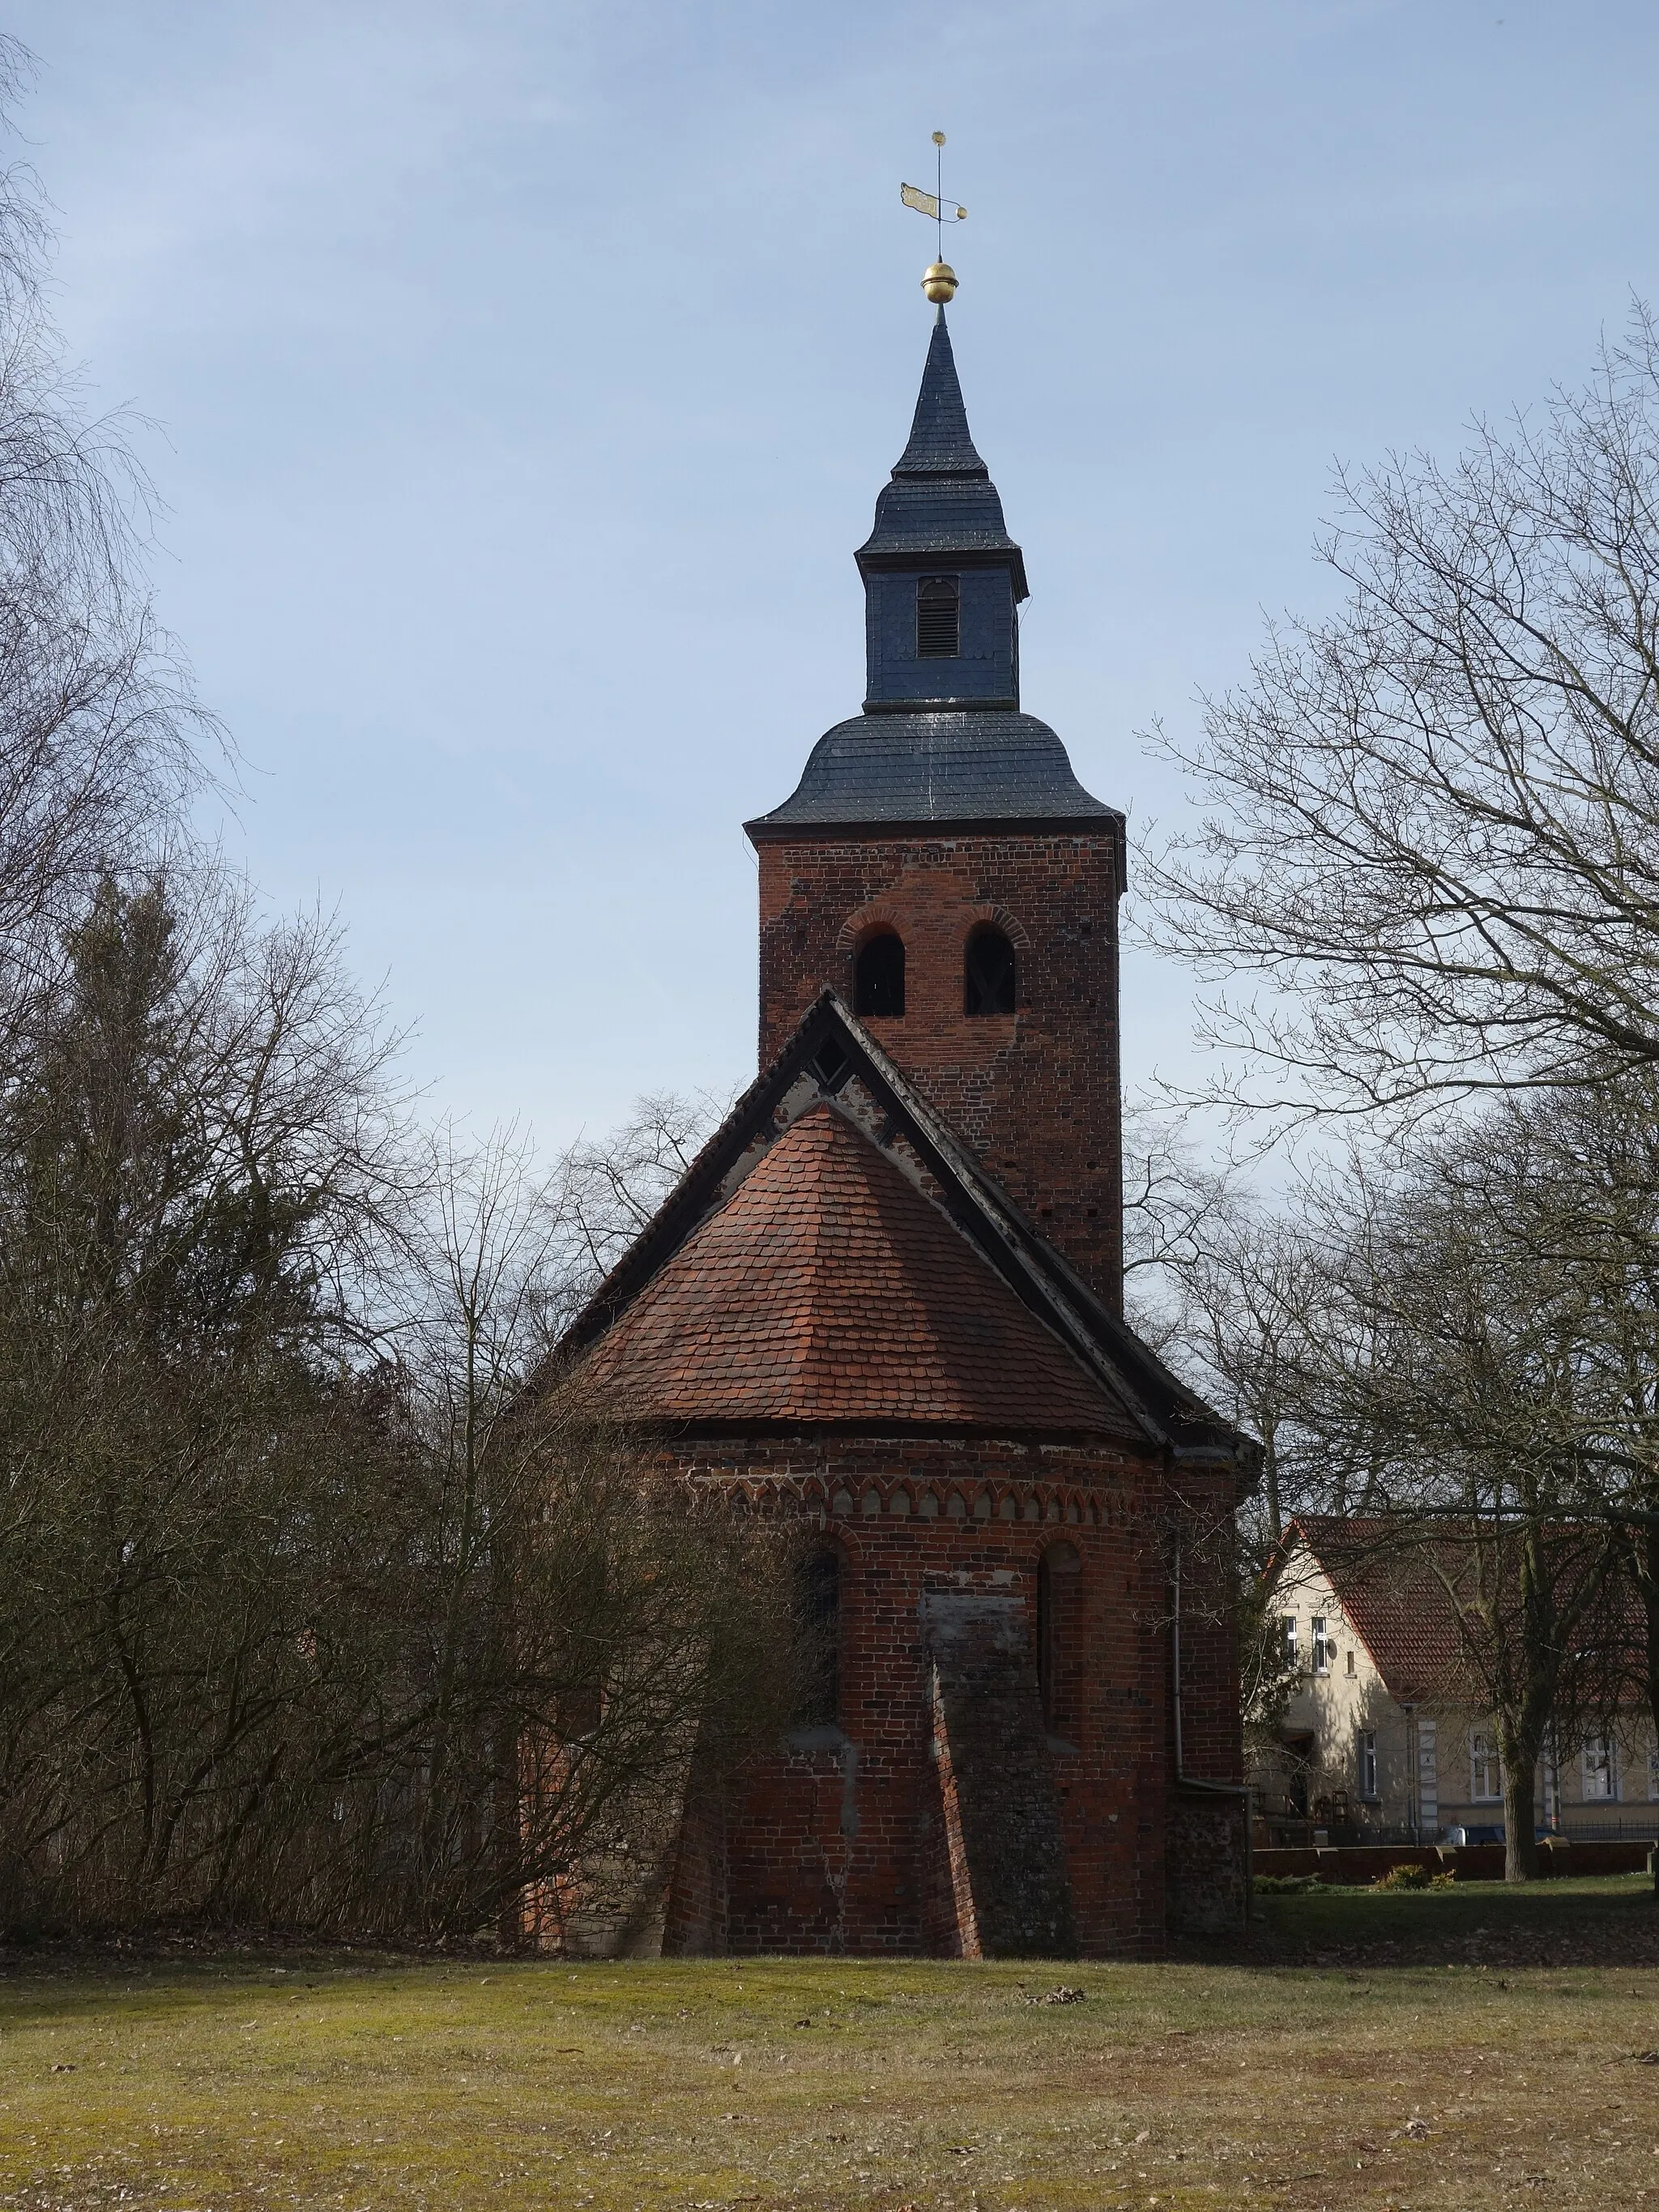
x: 827, y: 1288
x: 1390, y: 1577
x: 1396, y: 1603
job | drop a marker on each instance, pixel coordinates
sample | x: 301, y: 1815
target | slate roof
x: 831, y: 1055
x: 962, y: 768
x: 941, y: 499
x: 828, y: 1290
x: 972, y: 769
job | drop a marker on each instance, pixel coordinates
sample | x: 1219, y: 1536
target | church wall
x: 1035, y: 1093
x: 843, y: 1841
x: 1212, y: 1741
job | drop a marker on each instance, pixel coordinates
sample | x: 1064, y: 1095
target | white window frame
x: 1599, y: 1763
x: 1485, y: 1768
x: 1320, y: 1640
x: 1367, y: 1764
x: 1287, y: 1628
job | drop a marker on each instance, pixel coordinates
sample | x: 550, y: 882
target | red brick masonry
x: 849, y: 1839
x: 1033, y: 1093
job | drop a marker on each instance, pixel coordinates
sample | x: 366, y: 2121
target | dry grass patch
x: 350, y: 2082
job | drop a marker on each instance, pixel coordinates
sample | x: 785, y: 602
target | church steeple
x: 941, y: 868
x: 942, y: 577
x: 940, y: 441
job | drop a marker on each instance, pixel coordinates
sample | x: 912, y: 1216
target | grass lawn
x: 1378, y: 2078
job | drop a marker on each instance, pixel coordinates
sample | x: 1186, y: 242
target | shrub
x: 1404, y: 1877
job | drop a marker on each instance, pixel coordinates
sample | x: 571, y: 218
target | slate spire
x: 942, y: 737
x: 940, y: 442
x: 939, y: 500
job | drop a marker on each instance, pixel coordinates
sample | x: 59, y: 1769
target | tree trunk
x: 1646, y: 1549
x: 1520, y: 1838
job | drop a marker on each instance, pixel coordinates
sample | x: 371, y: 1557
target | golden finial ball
x: 940, y: 283
x: 938, y: 137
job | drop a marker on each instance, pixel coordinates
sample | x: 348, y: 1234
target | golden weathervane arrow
x: 940, y: 281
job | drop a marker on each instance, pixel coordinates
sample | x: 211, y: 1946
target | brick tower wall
x: 1035, y: 1093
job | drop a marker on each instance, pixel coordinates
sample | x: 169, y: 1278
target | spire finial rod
x: 939, y: 283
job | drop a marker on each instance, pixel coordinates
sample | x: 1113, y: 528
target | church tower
x: 940, y: 867
x: 881, y: 1310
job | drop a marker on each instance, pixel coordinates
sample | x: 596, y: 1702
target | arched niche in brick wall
x: 1059, y: 1587
x: 990, y: 973
x: 999, y: 917
x: 865, y: 923
x: 818, y: 1608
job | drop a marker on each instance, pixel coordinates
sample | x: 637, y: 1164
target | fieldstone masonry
x: 1000, y: 1810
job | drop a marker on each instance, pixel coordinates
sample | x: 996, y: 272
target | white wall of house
x: 1432, y: 1765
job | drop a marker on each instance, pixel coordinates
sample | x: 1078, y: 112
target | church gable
x: 831, y: 1055
x: 828, y: 1288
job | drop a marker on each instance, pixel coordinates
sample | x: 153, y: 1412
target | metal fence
x: 1636, y: 1828
x: 1298, y: 1835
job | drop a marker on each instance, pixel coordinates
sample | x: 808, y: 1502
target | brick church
x: 887, y: 1298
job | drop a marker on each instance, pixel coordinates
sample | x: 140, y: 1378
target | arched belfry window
x: 878, y: 974
x: 939, y: 617
x: 817, y: 1629
x: 987, y: 972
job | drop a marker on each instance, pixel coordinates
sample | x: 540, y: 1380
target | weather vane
x: 940, y: 281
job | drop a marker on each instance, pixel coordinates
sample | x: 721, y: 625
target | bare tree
x: 1474, y: 1401
x: 321, y: 1600
x: 189, y: 1170
x: 610, y: 1186
x: 101, y: 736
x: 1434, y: 817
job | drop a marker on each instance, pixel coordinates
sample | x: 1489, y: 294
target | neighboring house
x: 1378, y: 1740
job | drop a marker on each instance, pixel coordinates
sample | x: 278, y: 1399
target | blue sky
x: 524, y: 375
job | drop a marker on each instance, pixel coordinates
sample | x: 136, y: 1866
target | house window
x: 1289, y: 1626
x: 878, y: 974
x: 939, y: 618
x: 1653, y: 1769
x: 1601, y: 1771
x: 1367, y: 1764
x: 1321, y: 1648
x: 817, y: 1628
x: 988, y: 972
x: 1485, y: 1781
x: 1351, y: 1665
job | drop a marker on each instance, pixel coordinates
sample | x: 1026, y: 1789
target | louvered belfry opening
x: 939, y: 618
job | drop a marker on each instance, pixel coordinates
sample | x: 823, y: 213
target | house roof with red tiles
x: 1409, y: 1589
x: 828, y: 1289
x: 1394, y: 1601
